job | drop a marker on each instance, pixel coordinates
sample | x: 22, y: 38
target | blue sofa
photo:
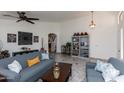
x: 95, y: 76
x: 27, y: 74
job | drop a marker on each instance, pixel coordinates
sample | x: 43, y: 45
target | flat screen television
x: 24, y: 38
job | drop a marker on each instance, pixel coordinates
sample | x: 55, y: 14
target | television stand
x: 23, y: 52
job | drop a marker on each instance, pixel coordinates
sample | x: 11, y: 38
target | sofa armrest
x: 90, y: 65
x: 10, y: 75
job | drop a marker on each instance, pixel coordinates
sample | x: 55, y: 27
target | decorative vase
x: 74, y: 34
x: 78, y: 34
x: 56, y: 71
x: 86, y: 33
x: 82, y: 33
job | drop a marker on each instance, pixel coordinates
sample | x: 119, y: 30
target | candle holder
x: 56, y: 71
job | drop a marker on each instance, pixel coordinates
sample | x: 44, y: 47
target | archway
x: 52, y: 43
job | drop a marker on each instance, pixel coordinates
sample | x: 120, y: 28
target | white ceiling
x: 50, y: 16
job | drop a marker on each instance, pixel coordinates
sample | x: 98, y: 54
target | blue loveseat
x: 95, y: 76
x: 27, y: 74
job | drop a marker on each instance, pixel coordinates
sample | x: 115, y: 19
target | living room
x: 61, y: 46
x: 103, y: 39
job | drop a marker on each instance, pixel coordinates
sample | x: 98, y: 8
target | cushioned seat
x: 90, y: 65
x: 118, y: 64
x: 30, y: 73
x: 94, y: 76
x: 23, y: 58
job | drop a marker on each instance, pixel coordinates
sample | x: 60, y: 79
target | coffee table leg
x: 70, y: 74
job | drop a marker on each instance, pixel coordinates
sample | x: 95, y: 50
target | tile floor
x: 78, y: 66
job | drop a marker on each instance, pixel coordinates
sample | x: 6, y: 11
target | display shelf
x: 80, y: 46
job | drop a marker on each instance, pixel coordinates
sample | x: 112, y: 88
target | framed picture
x: 36, y: 39
x: 11, y: 38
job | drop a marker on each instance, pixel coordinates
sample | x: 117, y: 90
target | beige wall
x: 41, y: 29
x: 103, y: 39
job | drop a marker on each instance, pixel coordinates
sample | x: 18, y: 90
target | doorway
x: 121, y: 36
x: 52, y: 43
x: 122, y: 44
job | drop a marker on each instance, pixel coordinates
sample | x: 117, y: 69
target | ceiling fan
x: 22, y: 17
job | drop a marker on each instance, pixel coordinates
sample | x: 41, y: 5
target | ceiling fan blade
x: 18, y: 12
x: 21, y: 14
x: 19, y: 20
x: 11, y: 16
x: 30, y: 21
x: 33, y: 18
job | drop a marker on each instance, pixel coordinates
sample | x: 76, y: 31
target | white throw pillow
x: 15, y: 66
x: 45, y: 56
x: 119, y: 78
x: 101, y: 66
x: 110, y: 73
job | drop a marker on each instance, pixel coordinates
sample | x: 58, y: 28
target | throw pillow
x: 45, y: 56
x: 15, y: 66
x: 33, y: 61
x: 101, y: 66
x: 119, y: 78
x: 110, y: 73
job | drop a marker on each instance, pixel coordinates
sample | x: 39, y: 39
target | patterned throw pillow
x: 110, y: 73
x: 119, y: 78
x: 101, y: 66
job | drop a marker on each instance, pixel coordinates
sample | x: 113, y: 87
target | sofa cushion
x: 10, y: 75
x: 118, y: 64
x: 90, y: 65
x: 23, y: 58
x: 4, y: 62
x: 28, y: 73
x: 94, y: 76
x: 34, y: 54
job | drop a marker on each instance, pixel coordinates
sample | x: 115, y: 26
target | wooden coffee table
x: 2, y: 79
x: 65, y: 72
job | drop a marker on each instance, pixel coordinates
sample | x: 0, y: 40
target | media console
x: 23, y: 52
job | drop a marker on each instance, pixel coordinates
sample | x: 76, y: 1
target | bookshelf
x: 80, y: 46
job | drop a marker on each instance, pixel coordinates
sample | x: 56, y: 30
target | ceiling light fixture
x: 92, y: 24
